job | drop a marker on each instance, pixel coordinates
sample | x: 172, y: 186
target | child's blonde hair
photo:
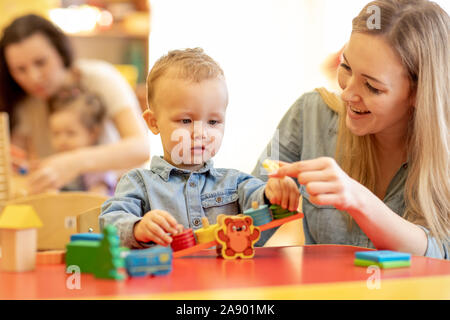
x: 188, y: 64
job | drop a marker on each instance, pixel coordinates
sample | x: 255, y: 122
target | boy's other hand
x: 155, y: 226
x: 283, y: 192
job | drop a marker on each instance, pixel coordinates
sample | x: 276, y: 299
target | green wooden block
x: 383, y: 265
x: 278, y: 210
x: 83, y: 254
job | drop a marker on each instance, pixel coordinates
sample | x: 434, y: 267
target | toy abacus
x: 184, y: 250
x: 5, y: 160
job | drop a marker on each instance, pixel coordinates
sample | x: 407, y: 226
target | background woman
x: 36, y: 60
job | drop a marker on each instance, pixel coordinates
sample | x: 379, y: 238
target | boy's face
x: 68, y: 133
x: 190, y: 117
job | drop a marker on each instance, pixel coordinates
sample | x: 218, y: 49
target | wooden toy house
x: 18, y: 238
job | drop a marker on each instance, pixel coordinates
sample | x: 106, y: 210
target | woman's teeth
x: 357, y: 111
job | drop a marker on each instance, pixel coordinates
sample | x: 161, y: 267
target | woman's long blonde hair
x: 418, y: 30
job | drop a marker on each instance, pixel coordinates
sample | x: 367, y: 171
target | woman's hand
x: 326, y: 183
x: 54, y: 172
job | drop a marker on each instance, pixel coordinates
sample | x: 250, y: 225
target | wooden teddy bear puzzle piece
x: 237, y: 235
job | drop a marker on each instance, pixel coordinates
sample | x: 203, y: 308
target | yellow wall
x: 11, y: 9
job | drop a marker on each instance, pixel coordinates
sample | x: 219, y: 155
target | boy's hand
x: 283, y: 192
x: 155, y: 225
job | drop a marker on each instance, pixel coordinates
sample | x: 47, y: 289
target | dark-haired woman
x: 36, y: 61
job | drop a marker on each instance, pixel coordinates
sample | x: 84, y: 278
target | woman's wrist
x: 362, y: 200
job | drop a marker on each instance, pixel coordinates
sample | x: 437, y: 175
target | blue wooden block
x: 86, y: 237
x: 382, y: 255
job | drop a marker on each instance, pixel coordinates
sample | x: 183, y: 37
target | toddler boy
x: 187, y: 101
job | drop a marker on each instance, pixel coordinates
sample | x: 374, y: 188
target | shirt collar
x: 162, y: 168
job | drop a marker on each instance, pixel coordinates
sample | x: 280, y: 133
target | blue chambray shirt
x: 187, y: 195
x: 308, y: 131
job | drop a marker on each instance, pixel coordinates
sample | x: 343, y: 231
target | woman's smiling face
x: 376, y: 87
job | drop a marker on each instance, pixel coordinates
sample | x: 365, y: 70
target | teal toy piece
x: 260, y: 216
x: 384, y: 259
x: 382, y: 256
x: 86, y: 237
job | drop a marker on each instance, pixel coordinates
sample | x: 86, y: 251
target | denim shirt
x: 308, y: 131
x: 187, y: 196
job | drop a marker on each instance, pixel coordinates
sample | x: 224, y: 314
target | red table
x: 321, y: 271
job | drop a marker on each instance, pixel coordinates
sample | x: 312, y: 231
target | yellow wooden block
x: 207, y: 233
x: 19, y: 217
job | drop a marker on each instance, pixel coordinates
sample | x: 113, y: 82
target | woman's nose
x: 34, y: 75
x: 350, y: 92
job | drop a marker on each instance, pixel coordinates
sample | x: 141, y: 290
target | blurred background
x: 272, y: 51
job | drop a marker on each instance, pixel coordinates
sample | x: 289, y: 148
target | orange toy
x: 50, y: 257
x: 237, y: 235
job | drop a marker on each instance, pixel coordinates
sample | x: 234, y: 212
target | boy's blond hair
x: 188, y: 64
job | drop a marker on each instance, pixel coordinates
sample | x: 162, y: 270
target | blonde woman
x: 374, y: 163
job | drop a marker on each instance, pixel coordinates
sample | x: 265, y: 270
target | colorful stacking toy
x: 260, y: 214
x: 184, y: 240
x: 384, y: 259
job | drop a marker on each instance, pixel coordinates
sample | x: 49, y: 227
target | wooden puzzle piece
x: 237, y: 236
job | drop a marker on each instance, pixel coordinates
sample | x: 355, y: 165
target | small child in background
x: 187, y: 101
x: 75, y: 121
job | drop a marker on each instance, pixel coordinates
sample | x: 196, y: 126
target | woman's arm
x: 386, y: 229
x: 132, y: 150
x: 328, y: 184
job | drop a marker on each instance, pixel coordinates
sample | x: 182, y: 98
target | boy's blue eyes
x: 188, y: 121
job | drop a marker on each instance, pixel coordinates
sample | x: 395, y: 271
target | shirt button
x: 196, y: 222
x: 219, y: 199
x: 192, y: 184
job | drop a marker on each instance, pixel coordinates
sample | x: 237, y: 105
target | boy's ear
x: 150, y: 119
